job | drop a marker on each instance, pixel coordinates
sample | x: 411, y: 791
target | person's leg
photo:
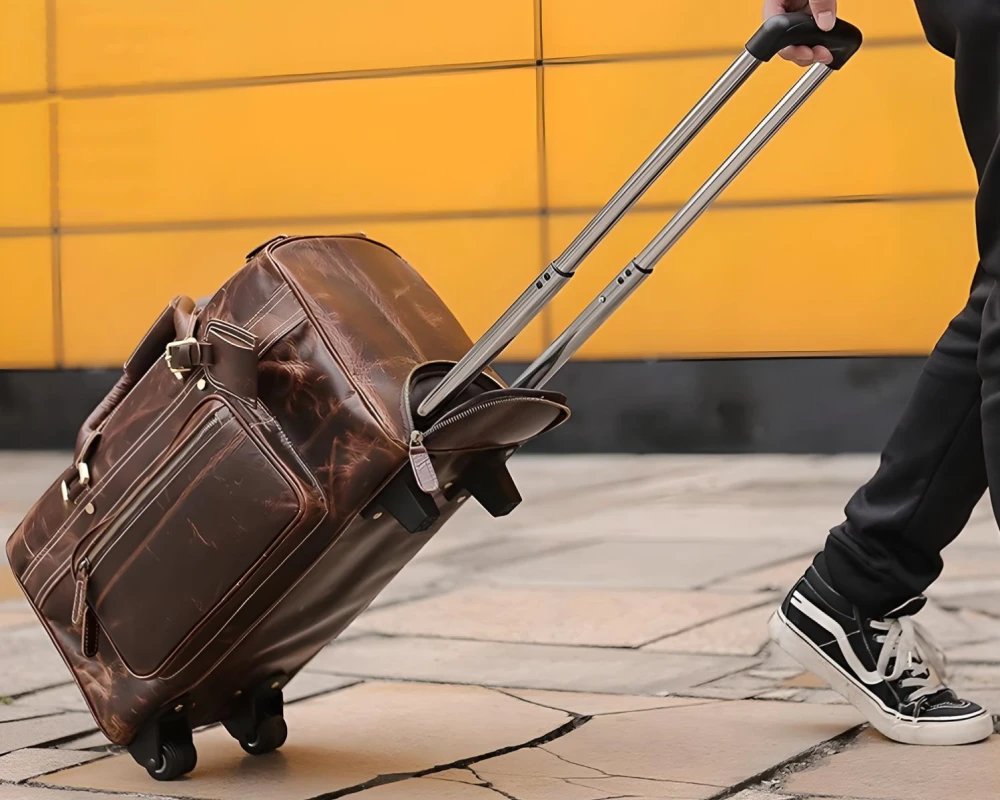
x: 932, y: 475
x: 848, y: 618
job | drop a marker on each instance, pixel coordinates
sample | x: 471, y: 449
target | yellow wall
x: 145, y: 147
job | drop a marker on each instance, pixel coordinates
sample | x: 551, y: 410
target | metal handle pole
x: 556, y: 274
x: 641, y: 267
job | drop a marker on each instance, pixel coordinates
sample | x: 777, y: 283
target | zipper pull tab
x: 423, y: 467
x: 80, y: 595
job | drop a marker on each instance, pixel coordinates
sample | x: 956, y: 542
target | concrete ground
x: 606, y: 641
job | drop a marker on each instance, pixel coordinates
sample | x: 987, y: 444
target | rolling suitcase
x: 272, y: 457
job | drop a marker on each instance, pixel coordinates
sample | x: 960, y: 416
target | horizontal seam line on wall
x: 458, y: 215
x: 216, y: 84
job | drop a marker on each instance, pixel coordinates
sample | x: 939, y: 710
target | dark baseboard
x: 760, y: 405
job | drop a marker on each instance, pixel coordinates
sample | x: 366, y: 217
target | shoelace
x: 910, y: 646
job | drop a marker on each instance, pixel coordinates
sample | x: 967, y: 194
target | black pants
x: 946, y: 448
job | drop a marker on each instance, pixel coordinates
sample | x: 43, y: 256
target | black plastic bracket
x: 406, y: 502
x: 170, y: 726
x: 489, y: 481
x: 253, y: 707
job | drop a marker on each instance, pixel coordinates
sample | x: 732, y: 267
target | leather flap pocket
x: 497, y: 419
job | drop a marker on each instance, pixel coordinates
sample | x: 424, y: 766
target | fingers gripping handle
x: 789, y: 30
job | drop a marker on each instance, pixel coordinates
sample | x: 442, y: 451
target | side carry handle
x: 641, y: 267
x: 776, y: 33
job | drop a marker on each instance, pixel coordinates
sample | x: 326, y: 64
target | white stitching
x: 177, y: 470
x: 157, y: 424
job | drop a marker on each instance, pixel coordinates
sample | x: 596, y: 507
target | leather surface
x: 226, y: 543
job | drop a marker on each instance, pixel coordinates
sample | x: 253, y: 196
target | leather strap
x: 228, y: 354
x: 180, y: 315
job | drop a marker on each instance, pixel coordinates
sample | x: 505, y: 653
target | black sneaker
x: 887, y: 668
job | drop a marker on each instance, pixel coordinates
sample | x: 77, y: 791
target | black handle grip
x: 787, y: 30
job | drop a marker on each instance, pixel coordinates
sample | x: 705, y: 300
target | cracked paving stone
x: 525, y: 666
x: 537, y: 773
x: 719, y: 744
x: 32, y: 762
x: 873, y: 767
x: 32, y: 732
x: 742, y: 634
x: 595, y: 617
x: 342, y: 740
x: 29, y: 661
x: 585, y: 704
x: 642, y: 565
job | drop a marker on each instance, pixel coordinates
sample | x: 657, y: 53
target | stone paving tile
x: 17, y: 619
x: 526, y: 666
x: 500, y: 550
x: 666, y: 519
x: 986, y: 602
x: 342, y: 740
x: 29, y: 661
x: 540, y: 773
x: 642, y: 565
x: 875, y: 768
x: 428, y: 789
x: 9, y: 589
x: 13, y: 712
x: 742, y: 634
x: 757, y: 794
x: 417, y: 579
x: 719, y: 744
x: 582, y: 703
x: 93, y: 740
x: 777, y: 578
x: 29, y: 792
x: 308, y: 684
x: 32, y: 762
x: 66, y: 697
x: 22, y: 733
x: 596, y: 617
x: 984, y: 652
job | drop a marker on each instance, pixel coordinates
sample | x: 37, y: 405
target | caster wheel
x: 176, y: 759
x: 271, y: 734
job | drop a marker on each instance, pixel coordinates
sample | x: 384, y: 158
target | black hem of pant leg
x: 856, y: 572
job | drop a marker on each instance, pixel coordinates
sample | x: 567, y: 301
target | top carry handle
x: 774, y: 35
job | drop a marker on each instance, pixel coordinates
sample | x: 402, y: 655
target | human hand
x: 825, y: 12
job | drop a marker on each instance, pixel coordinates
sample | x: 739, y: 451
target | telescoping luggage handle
x: 775, y: 34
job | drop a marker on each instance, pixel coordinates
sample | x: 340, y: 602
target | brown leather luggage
x: 272, y: 457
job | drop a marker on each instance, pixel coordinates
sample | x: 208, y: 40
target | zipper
x: 420, y: 458
x: 81, y: 608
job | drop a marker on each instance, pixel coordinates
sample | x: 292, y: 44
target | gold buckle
x: 178, y: 372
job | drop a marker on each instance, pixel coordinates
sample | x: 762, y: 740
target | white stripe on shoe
x: 830, y: 625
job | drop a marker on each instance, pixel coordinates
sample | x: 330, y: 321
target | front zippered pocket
x: 91, y: 552
x: 154, y: 575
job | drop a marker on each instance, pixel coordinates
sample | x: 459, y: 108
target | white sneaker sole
x: 947, y: 732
